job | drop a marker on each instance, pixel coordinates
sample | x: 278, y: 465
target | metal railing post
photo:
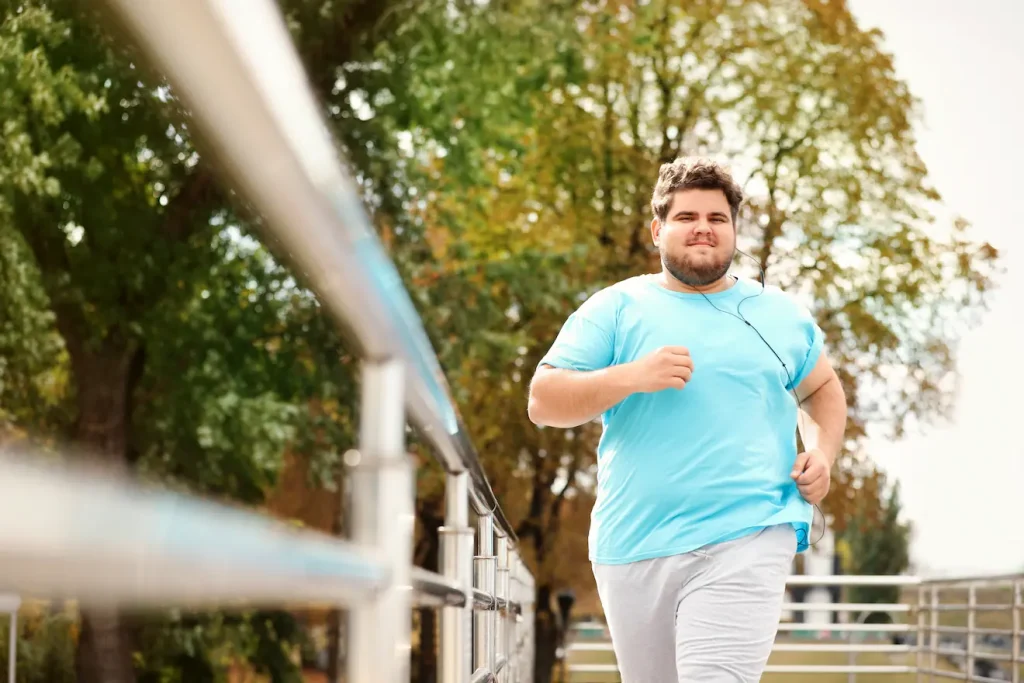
x: 972, y: 601
x: 851, y: 658
x: 483, y: 578
x: 933, y: 635
x: 516, y: 578
x: 512, y: 638
x: 12, y: 651
x: 1015, y: 646
x: 383, y: 514
x: 921, y: 630
x: 501, y: 590
x: 531, y: 625
x: 456, y: 663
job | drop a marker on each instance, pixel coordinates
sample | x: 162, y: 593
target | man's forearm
x: 823, y: 423
x: 567, y: 398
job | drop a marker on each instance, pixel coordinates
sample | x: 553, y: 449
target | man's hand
x: 670, y: 367
x: 812, y: 474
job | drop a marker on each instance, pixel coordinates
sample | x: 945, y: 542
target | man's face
x: 697, y: 239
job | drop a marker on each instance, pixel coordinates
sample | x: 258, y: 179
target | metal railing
x: 930, y: 649
x: 106, y: 542
x: 960, y: 644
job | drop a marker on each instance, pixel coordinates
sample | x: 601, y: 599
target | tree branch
x: 605, y: 236
x: 570, y: 478
x: 555, y: 510
x: 199, y: 191
x: 777, y: 217
x: 691, y: 113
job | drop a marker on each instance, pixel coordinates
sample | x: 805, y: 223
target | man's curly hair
x: 693, y: 173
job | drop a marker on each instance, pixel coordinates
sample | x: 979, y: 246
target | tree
x: 119, y: 235
x: 109, y: 225
x: 878, y: 543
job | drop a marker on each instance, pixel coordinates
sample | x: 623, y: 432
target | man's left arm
x: 822, y: 427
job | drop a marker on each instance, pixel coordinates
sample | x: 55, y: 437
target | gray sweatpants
x: 708, y: 616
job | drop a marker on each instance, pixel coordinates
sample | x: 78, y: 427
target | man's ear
x: 655, y: 231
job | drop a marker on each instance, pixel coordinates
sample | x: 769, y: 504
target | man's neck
x: 669, y: 281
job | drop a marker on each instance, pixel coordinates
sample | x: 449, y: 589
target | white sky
x: 962, y: 482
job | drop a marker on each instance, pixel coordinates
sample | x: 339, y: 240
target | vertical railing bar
x: 851, y: 676
x: 383, y: 515
x: 921, y: 631
x: 483, y: 578
x: 495, y: 614
x: 521, y: 598
x: 501, y: 590
x: 510, y: 620
x: 1015, y: 647
x: 456, y: 658
x: 972, y: 601
x: 12, y: 652
x: 933, y: 635
x: 531, y: 629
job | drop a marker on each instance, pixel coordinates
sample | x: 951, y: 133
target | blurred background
x: 506, y: 151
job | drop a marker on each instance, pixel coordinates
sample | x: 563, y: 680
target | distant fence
x: 914, y: 631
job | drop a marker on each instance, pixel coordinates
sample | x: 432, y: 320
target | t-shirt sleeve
x: 812, y: 343
x: 587, y: 339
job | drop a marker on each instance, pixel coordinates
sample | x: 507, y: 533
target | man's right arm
x: 569, y: 398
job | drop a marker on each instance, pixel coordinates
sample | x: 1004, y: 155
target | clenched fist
x: 812, y: 474
x: 670, y: 367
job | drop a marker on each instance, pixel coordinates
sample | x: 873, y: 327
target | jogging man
x: 699, y: 378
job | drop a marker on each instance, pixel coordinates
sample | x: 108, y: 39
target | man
x: 702, y: 499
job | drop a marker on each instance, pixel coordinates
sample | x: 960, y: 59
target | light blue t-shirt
x: 681, y: 468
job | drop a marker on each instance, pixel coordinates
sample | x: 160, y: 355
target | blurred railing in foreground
x: 105, y: 542
x: 913, y: 632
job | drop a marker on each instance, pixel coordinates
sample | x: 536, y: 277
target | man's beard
x: 696, y: 274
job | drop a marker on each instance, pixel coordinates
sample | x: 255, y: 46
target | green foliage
x: 33, y: 365
x: 39, y: 96
x: 90, y: 166
x: 46, y: 648
x: 878, y: 544
x: 235, y: 373
x: 204, y: 648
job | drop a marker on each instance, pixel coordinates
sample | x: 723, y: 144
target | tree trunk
x: 105, y: 376
x: 426, y: 670
x: 336, y: 646
x: 546, y: 636
x: 607, y: 207
x: 427, y: 555
x: 105, y: 649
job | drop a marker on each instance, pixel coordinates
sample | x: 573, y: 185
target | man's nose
x: 702, y: 226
